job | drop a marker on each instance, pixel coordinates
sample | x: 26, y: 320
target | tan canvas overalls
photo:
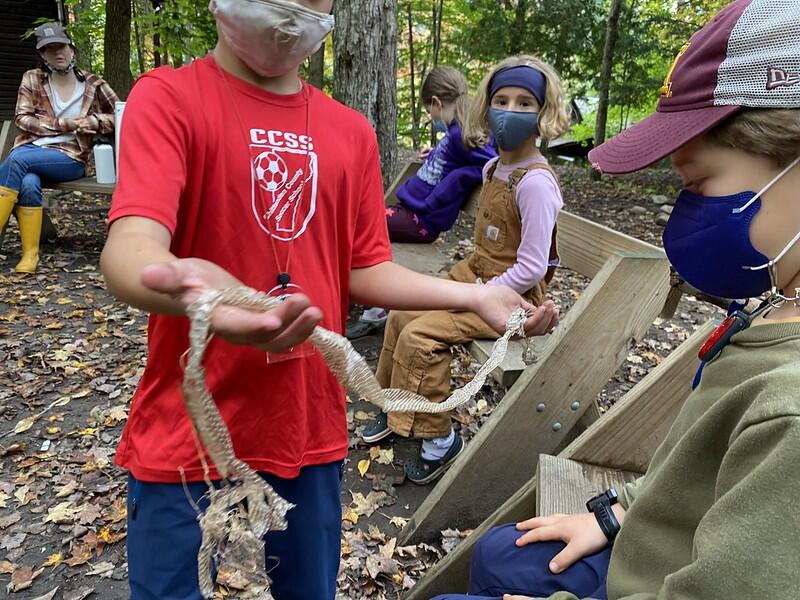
x: 416, y: 346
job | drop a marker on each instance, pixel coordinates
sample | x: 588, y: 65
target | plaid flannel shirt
x: 36, y: 119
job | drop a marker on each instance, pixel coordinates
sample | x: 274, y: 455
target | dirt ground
x: 70, y: 359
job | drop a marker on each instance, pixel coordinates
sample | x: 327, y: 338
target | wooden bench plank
x: 565, y: 485
x: 648, y: 410
x: 422, y: 258
x: 585, y: 246
x: 513, y: 365
x: 88, y: 185
x: 585, y: 350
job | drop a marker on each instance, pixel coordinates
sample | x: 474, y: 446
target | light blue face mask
x: 439, y: 126
x: 512, y: 129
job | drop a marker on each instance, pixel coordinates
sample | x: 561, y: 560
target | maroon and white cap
x: 747, y: 56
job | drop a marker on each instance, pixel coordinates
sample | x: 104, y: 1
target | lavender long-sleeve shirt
x: 539, y: 202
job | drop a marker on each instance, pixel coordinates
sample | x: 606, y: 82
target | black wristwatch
x: 601, y: 507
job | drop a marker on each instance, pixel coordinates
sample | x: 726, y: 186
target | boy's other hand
x: 424, y: 153
x: 277, y: 330
x: 497, y: 302
x: 581, y: 533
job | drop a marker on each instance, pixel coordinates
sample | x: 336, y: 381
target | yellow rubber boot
x: 8, y: 198
x: 30, y: 230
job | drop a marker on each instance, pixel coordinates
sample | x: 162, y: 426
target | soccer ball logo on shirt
x: 284, y: 182
x: 271, y: 171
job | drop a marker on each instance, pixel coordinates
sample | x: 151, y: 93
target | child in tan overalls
x: 515, y: 245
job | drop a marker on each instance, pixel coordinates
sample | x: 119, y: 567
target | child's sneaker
x: 372, y: 320
x: 422, y: 471
x: 377, y: 429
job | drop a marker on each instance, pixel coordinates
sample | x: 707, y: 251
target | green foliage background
x: 474, y: 34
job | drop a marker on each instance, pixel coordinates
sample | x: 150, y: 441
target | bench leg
x: 49, y: 231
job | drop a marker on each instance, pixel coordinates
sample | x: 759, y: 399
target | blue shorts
x: 164, y: 537
x: 500, y: 567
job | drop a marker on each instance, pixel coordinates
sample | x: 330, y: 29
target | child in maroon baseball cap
x: 716, y: 515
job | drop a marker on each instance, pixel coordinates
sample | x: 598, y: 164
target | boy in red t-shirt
x: 236, y: 172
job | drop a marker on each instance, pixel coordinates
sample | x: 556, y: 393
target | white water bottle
x: 104, y: 163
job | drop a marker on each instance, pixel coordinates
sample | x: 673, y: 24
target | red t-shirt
x: 188, y: 165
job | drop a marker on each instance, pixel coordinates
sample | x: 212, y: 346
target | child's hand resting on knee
x: 581, y: 533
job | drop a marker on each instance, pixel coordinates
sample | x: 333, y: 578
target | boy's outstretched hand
x: 275, y: 331
x: 496, y: 302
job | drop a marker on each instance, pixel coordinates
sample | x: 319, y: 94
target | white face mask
x: 272, y: 37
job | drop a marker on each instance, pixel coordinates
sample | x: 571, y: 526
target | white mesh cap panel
x: 763, y: 63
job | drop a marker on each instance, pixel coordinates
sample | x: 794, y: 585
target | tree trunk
x: 414, y: 107
x: 138, y: 36
x: 117, y: 46
x: 612, y: 29
x: 435, y: 46
x: 365, y: 67
x: 156, y: 39
x: 518, y: 27
x: 316, y: 68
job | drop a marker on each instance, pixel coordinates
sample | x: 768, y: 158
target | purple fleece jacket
x: 445, y: 181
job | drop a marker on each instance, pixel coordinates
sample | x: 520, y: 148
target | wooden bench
x: 613, y: 450
x: 9, y: 132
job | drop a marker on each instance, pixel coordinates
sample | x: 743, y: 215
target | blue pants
x: 303, y: 561
x: 27, y: 165
x: 499, y: 567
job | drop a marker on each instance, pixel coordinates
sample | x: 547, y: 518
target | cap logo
x: 777, y: 78
x: 49, y: 31
x: 666, y: 89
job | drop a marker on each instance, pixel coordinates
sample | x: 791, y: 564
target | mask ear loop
x: 776, y: 298
x: 768, y: 187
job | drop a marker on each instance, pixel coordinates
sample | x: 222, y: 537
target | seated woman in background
x: 429, y: 201
x: 59, y: 111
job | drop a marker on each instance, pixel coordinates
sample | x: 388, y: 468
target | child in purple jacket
x: 429, y: 202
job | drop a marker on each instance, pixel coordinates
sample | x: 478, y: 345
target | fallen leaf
x: 398, y: 522
x: 21, y: 493
x: 25, y: 424
x: 81, y: 554
x: 53, y: 560
x: 385, y: 457
x: 118, y: 512
x: 13, y: 541
x: 88, y: 513
x: 348, y: 514
x: 110, y: 538
x: 378, y: 564
x: 63, y: 512
x: 9, y: 519
x: 48, y: 596
x: 363, y: 466
x: 79, y: 594
x: 102, y: 569
x: 366, y: 505
x: 7, y: 567
x: 22, y: 578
